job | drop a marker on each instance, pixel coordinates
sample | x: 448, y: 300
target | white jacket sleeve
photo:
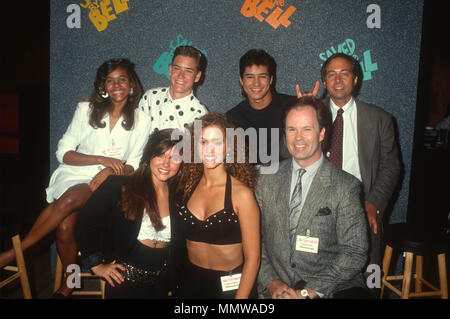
x: 72, y: 136
x: 139, y: 138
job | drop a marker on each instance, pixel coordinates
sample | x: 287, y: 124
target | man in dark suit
x: 369, y: 149
x: 314, y: 230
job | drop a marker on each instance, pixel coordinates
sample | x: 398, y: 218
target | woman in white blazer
x: 106, y: 136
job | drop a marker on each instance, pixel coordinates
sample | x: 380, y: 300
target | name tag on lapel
x: 307, y: 244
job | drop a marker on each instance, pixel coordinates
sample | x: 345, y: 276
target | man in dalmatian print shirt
x: 176, y: 106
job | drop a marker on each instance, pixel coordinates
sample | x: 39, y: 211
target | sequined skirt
x: 138, y: 275
x: 145, y: 274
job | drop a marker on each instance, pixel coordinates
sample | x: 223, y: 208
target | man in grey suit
x: 370, y: 149
x: 314, y: 230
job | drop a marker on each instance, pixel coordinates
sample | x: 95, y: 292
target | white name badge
x: 230, y: 282
x: 116, y: 151
x: 307, y: 244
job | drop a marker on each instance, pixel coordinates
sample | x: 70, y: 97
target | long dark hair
x: 139, y: 191
x: 100, y: 105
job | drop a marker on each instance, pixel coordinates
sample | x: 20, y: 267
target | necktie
x: 337, y: 136
x: 294, y: 206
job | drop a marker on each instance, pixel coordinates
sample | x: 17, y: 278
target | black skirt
x: 145, y: 277
x: 201, y: 283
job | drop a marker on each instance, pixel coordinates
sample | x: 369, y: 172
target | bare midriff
x: 152, y: 243
x: 215, y: 257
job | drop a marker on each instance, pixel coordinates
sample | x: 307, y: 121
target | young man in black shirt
x: 262, y: 107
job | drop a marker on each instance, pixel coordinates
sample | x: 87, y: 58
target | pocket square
x: 323, y: 211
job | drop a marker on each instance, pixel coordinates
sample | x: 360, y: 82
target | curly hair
x: 139, y: 191
x: 191, y: 172
x: 100, y: 105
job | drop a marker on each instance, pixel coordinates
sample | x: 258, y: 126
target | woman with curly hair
x: 219, y: 215
x: 106, y: 136
x: 128, y: 231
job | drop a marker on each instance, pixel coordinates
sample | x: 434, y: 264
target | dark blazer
x: 332, y: 212
x: 378, y: 154
x: 104, y: 234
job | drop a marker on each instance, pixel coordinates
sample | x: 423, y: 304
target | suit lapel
x: 365, y: 139
x: 315, y: 197
x: 284, y: 191
x: 280, y: 207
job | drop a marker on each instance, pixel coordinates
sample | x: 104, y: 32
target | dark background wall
x: 25, y: 56
x: 46, y: 106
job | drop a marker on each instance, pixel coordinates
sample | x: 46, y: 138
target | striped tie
x: 294, y: 206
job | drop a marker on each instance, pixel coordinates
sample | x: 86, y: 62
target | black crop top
x: 221, y: 228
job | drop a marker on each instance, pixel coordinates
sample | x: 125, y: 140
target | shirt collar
x: 187, y: 98
x: 311, y: 169
x: 348, y: 107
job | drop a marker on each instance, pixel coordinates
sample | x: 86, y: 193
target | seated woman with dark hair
x: 220, y: 216
x: 127, y: 232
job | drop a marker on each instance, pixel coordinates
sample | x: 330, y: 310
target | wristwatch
x: 300, y: 285
x: 304, y: 293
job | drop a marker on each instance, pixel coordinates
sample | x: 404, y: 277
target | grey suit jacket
x: 343, y: 238
x: 378, y: 154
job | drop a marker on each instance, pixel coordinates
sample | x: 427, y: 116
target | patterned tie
x: 336, y: 139
x: 294, y: 206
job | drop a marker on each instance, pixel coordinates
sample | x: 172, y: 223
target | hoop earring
x: 105, y: 95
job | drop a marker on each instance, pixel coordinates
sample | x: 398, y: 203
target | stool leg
x: 407, y: 275
x: 443, y: 276
x: 102, y: 287
x: 419, y: 273
x: 386, y: 262
x: 22, y: 268
x: 58, y: 274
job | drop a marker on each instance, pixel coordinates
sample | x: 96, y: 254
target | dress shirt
x: 307, y: 178
x: 350, y: 162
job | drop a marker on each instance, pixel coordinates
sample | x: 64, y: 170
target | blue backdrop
x: 383, y: 35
